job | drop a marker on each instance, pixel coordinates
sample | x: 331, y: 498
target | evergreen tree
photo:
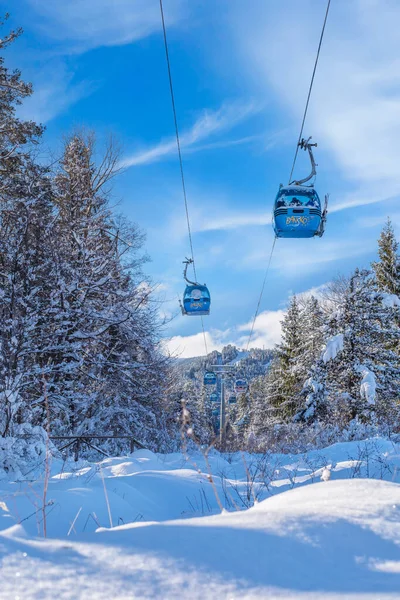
x: 312, y: 333
x: 80, y: 337
x: 357, y: 379
x: 311, y: 400
x: 387, y: 269
x: 242, y: 418
x: 25, y: 227
x: 262, y: 415
x: 109, y: 369
x: 286, y: 374
x: 198, y: 405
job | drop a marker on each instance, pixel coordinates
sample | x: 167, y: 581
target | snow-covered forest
x: 81, y: 337
x: 287, y: 488
x: 334, y: 376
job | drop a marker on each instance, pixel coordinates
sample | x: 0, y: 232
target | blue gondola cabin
x: 196, y: 300
x: 241, y: 386
x: 210, y: 378
x: 297, y: 212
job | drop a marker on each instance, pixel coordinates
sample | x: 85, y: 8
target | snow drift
x: 303, y: 539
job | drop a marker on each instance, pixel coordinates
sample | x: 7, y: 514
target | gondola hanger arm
x: 306, y: 145
x: 187, y: 262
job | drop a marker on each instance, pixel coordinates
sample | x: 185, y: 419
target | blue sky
x: 241, y: 72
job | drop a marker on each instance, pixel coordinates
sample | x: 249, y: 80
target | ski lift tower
x: 221, y: 372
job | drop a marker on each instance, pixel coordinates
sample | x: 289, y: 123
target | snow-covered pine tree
x: 312, y: 336
x: 80, y: 337
x: 242, y: 423
x: 199, y: 407
x: 361, y: 368
x: 229, y: 353
x: 387, y: 269
x: 25, y: 227
x: 108, y: 368
x: 16, y: 136
x: 262, y: 414
x: 288, y: 370
x: 387, y: 275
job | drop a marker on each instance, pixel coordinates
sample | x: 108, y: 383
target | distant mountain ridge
x: 250, y: 364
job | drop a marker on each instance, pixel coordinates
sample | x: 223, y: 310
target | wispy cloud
x: 233, y: 221
x: 304, y: 256
x: 209, y: 124
x: 365, y: 196
x: 54, y: 92
x: 248, y: 139
x: 379, y: 220
x: 84, y: 24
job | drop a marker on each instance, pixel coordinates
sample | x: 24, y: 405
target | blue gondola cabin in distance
x: 196, y: 300
x: 210, y: 378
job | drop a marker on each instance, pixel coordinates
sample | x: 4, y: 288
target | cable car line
x: 171, y: 88
x: 313, y: 199
x: 261, y: 294
x: 309, y: 91
x: 204, y: 336
x: 177, y: 136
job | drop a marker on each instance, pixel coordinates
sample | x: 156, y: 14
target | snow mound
x: 150, y: 526
x: 337, y: 539
x: 333, y: 346
x: 368, y: 385
x: 390, y: 300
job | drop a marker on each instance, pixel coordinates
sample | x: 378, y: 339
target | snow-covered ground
x: 338, y: 538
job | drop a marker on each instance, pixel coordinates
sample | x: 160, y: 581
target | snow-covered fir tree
x: 287, y: 369
x: 109, y: 371
x: 387, y: 268
x: 80, y: 339
x: 312, y: 332
x: 25, y: 227
x: 242, y: 423
x: 262, y: 411
x: 356, y: 376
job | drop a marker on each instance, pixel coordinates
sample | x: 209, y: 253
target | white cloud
x: 54, y: 92
x: 375, y: 220
x: 85, y: 24
x: 383, y: 191
x: 207, y: 125
x: 267, y: 333
x: 304, y: 256
x: 233, y: 221
x: 267, y: 330
x: 192, y: 345
x: 223, y: 144
x: 316, y: 292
